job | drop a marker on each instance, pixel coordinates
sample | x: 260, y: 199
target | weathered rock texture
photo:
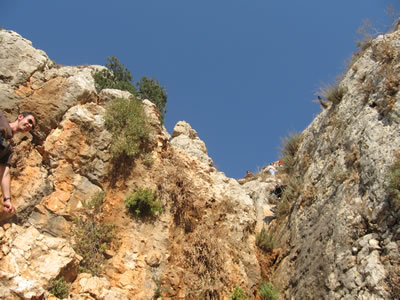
x: 342, y: 233
x: 201, y: 246
x: 338, y: 235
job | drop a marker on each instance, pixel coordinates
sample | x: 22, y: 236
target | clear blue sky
x: 243, y: 73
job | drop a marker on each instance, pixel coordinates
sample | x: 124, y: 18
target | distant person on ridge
x: 271, y: 169
x: 248, y: 174
x: 25, y: 122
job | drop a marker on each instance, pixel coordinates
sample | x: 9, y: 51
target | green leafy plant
x: 265, y: 241
x: 150, y: 89
x: 129, y: 126
x: 268, y: 292
x: 143, y: 203
x: 92, y: 239
x: 238, y: 294
x: 60, y: 288
x: 116, y: 76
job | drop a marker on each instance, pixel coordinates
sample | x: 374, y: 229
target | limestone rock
x: 18, y: 59
x: 339, y: 225
x: 87, y: 286
x: 34, y: 261
x: 108, y: 95
x: 186, y: 138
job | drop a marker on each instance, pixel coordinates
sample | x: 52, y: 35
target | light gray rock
x: 34, y: 261
x: 108, y: 95
x: 351, y: 146
x: 18, y: 59
x: 186, y: 138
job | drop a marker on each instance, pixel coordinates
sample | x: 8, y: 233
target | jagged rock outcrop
x: 342, y: 232
x: 202, y: 245
x: 186, y: 138
x: 337, y: 228
x: 30, y: 260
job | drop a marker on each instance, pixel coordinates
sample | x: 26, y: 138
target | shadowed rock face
x: 202, y: 245
x: 343, y: 233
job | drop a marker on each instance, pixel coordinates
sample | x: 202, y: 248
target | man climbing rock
x: 25, y: 122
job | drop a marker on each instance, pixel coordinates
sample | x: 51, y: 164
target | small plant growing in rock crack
x: 60, y: 288
x: 238, y: 294
x: 92, y: 239
x: 333, y: 92
x: 157, y: 291
x: 143, y: 202
x: 96, y: 202
x: 394, y: 184
x: 291, y: 192
x: 290, y: 146
x: 268, y: 291
x: 265, y: 241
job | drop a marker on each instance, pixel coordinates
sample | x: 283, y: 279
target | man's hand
x: 7, y: 207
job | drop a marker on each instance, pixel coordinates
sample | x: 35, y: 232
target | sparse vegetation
x: 96, y: 202
x: 60, y: 288
x: 384, y: 52
x: 265, y: 241
x: 268, y: 291
x: 333, y: 92
x: 92, y: 239
x: 147, y: 160
x: 308, y: 195
x: 367, y: 33
x: 204, y: 258
x: 291, y: 192
x: 143, y: 202
x: 157, y: 291
x: 290, y: 146
x: 238, y: 294
x: 394, y: 184
x: 130, y: 129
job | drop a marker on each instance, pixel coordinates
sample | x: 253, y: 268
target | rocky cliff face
x: 202, y: 245
x: 336, y: 233
x: 342, y: 232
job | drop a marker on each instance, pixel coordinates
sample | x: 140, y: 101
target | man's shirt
x: 6, y: 131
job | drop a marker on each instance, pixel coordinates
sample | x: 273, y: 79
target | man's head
x: 26, y: 121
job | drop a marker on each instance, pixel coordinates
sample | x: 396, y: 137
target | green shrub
x: 394, y: 184
x: 151, y: 89
x: 92, y: 239
x: 129, y: 126
x: 264, y: 241
x: 143, y: 203
x: 290, y: 146
x: 116, y: 76
x: 268, y: 292
x: 238, y: 294
x: 60, y: 288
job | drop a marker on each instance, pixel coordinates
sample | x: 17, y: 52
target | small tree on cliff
x: 151, y: 89
x: 116, y: 76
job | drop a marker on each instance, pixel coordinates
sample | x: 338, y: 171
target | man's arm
x: 5, y: 187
